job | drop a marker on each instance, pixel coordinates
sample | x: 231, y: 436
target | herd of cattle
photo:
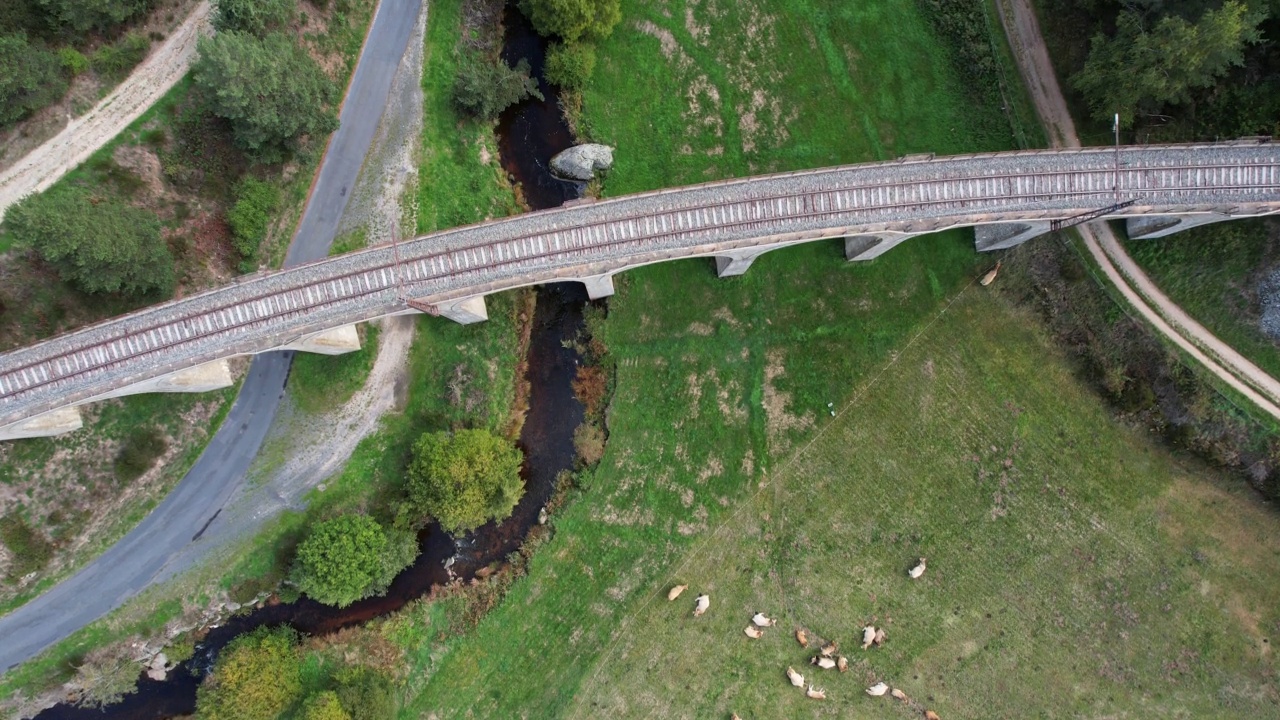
x: 828, y: 656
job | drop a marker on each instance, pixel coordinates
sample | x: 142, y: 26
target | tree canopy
x: 269, y: 88
x: 258, y: 675
x: 1140, y: 70
x: 466, y: 478
x: 573, y: 20
x: 570, y: 65
x: 257, y: 17
x: 350, y: 557
x: 30, y: 77
x: 484, y: 88
x: 80, y: 16
x: 98, y: 244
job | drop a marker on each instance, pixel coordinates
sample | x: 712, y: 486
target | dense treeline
x: 1172, y: 69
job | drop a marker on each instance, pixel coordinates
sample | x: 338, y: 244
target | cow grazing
x: 917, y: 571
x: 868, y: 636
x: 899, y: 694
x: 753, y: 633
x: 700, y: 604
x: 829, y: 649
x: 878, y: 689
x: 762, y: 620
x: 674, y: 592
x: 802, y: 638
x: 815, y: 693
x: 931, y: 715
x: 842, y: 663
x: 796, y: 678
x: 823, y: 662
x: 878, y: 640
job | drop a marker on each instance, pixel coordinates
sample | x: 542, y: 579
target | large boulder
x: 581, y: 162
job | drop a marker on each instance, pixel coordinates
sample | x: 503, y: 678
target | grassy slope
x: 320, y: 383
x: 1213, y: 272
x: 851, y: 92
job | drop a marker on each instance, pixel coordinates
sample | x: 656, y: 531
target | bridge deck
x: 910, y: 196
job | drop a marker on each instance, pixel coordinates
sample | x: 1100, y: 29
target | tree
x: 324, y: 706
x: 466, y: 478
x: 484, y: 89
x: 365, y: 693
x: 269, y: 88
x: 570, y: 65
x: 1140, y: 70
x: 573, y: 20
x: 257, y: 17
x: 80, y: 16
x: 258, y: 675
x: 99, y: 244
x: 29, y: 78
x: 350, y: 557
x: 106, y: 675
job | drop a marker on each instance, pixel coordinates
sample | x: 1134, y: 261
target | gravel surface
x: 83, y: 136
x: 1269, y: 298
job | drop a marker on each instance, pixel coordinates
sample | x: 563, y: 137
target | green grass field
x: 320, y: 383
x: 1213, y: 272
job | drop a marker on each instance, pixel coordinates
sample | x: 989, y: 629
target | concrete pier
x: 1158, y: 226
x: 339, y: 340
x: 62, y: 420
x: 1001, y: 236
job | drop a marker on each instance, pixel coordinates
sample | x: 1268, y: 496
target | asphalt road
x: 193, y: 505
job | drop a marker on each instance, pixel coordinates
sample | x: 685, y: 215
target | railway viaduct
x: 183, y: 345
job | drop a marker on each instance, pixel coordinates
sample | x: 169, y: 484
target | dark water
x: 529, y: 134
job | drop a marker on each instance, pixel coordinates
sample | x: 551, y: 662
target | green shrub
x: 30, y: 78
x: 570, y: 65
x: 250, y: 217
x: 485, y: 88
x: 106, y: 675
x: 114, y: 61
x: 138, y: 453
x: 349, y: 558
x: 72, y: 60
x: 257, y: 17
x: 77, y: 17
x: 99, y: 244
x: 258, y: 676
x: 573, y: 20
x: 466, y: 478
x: 366, y: 694
x: 324, y: 706
x: 30, y: 549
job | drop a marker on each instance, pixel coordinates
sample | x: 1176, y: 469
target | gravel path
x: 84, y: 135
x: 1023, y: 31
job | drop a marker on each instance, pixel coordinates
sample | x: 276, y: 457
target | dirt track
x: 1023, y: 31
x: 162, y: 69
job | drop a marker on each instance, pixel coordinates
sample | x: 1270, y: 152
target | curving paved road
x: 178, y: 521
x: 1023, y: 31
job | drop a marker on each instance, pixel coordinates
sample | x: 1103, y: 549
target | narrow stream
x: 529, y: 135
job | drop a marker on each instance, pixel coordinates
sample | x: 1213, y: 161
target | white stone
x: 581, y: 162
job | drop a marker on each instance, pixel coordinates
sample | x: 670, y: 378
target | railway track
x: 910, y: 196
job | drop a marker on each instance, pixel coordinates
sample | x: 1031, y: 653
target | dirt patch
x: 671, y: 49
x: 780, y: 423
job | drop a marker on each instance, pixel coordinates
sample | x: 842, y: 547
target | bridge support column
x: 735, y: 263
x: 600, y: 286
x: 1001, y: 236
x: 56, y: 422
x: 335, y: 341
x: 870, y: 247
x: 466, y: 311
x: 201, y: 378
x: 1158, y: 226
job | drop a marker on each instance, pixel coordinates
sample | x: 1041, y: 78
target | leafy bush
x: 466, y: 478
x: 250, y: 217
x: 258, y: 675
x: 98, y: 244
x: 30, y: 549
x: 573, y: 20
x: 106, y: 675
x: 79, y: 16
x: 257, y: 17
x: 138, y: 453
x: 73, y: 61
x: 349, y: 558
x: 570, y: 65
x: 29, y: 78
x: 365, y: 693
x: 114, y: 61
x: 272, y: 91
x: 324, y: 706
x: 485, y: 88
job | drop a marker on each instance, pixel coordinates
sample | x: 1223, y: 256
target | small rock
x: 157, y: 674
x: 542, y: 516
x: 581, y: 162
x: 159, y: 662
x: 233, y: 606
